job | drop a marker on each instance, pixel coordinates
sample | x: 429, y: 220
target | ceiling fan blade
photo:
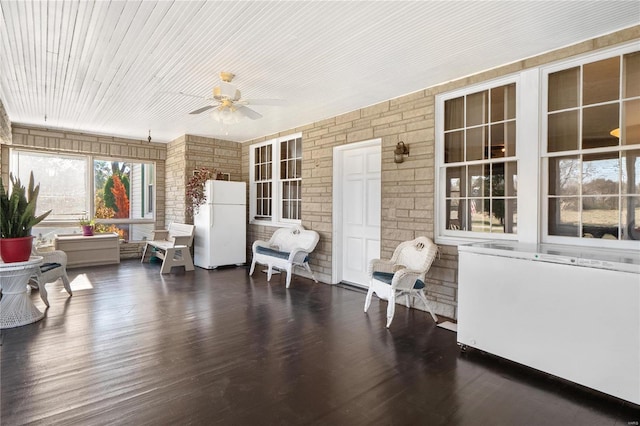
x: 248, y: 112
x: 203, y: 109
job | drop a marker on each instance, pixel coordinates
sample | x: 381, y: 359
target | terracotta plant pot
x: 15, y: 249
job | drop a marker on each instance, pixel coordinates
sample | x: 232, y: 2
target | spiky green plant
x: 18, y: 209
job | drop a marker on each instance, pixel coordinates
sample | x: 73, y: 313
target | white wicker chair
x: 286, y: 249
x: 53, y: 267
x: 404, y: 274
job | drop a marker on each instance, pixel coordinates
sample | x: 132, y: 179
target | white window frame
x: 276, y: 182
x: 89, y: 182
x: 526, y: 147
x: 544, y: 155
x: 531, y: 142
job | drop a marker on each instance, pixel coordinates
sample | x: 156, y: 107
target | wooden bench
x: 286, y: 249
x: 172, y: 246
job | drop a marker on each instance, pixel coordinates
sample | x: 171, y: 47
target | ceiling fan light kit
x: 229, y: 107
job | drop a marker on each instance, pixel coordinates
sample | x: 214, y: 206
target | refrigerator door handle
x: 211, y: 217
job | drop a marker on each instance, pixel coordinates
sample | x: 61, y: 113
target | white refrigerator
x: 220, y: 235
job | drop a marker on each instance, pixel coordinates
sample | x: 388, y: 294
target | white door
x: 358, y: 175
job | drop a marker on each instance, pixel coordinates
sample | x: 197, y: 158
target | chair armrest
x: 405, y: 278
x: 160, y: 234
x: 297, y: 255
x: 260, y: 243
x: 181, y: 240
x: 379, y: 265
x: 56, y: 256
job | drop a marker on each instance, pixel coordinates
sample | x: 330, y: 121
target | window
x: 592, y: 150
x: 120, y: 196
x: 276, y: 180
x: 63, y: 182
x: 551, y: 154
x: 479, y: 164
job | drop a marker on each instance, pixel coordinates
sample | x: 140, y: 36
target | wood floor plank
x: 136, y: 347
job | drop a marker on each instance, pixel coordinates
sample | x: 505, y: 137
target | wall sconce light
x: 400, y: 151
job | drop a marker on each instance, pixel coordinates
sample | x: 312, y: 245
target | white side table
x: 16, y: 308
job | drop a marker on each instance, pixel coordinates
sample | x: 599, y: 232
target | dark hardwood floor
x: 218, y: 347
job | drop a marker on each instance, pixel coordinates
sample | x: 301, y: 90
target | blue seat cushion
x: 276, y: 253
x: 386, y: 278
x: 46, y: 267
x: 272, y: 252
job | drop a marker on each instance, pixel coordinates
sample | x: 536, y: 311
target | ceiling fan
x: 227, y: 102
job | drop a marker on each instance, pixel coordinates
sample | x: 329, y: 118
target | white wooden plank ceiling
x: 118, y: 67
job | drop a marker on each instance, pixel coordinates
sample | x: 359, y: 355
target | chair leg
x: 253, y: 266
x: 367, y: 300
x: 43, y: 292
x: 186, y: 258
x: 269, y: 272
x: 67, y: 285
x: 167, y: 262
x: 427, y: 305
x: 144, y: 253
x: 391, y: 308
x: 308, y: 268
x: 289, y: 267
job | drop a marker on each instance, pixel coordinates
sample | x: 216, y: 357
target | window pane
x: 631, y: 74
x: 497, y: 180
x: 477, y: 143
x: 563, y: 131
x: 563, y: 216
x: 630, y: 218
x: 631, y: 172
x: 478, y: 178
x: 503, y: 103
x: 563, y: 89
x: 503, y: 139
x: 631, y: 121
x: 601, y: 174
x: 298, y: 174
x: 597, y: 124
x: 453, y: 147
x: 511, y: 216
x: 600, y: 217
x: 497, y: 215
x: 511, y: 178
x: 62, y: 180
x: 455, y: 214
x: 454, y: 114
x: 564, y: 176
x: 479, y: 209
x: 456, y: 182
x: 477, y: 108
x: 601, y: 81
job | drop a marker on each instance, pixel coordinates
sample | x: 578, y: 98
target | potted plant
x: 88, y: 226
x: 195, y: 188
x: 17, y: 217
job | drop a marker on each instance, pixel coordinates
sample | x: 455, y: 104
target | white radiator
x: 541, y: 306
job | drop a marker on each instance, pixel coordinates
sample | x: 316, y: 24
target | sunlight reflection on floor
x: 81, y: 282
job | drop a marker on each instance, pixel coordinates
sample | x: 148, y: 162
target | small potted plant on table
x: 88, y: 226
x: 17, y: 217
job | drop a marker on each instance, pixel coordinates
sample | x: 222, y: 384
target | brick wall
x: 189, y: 152
x: 407, y: 188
